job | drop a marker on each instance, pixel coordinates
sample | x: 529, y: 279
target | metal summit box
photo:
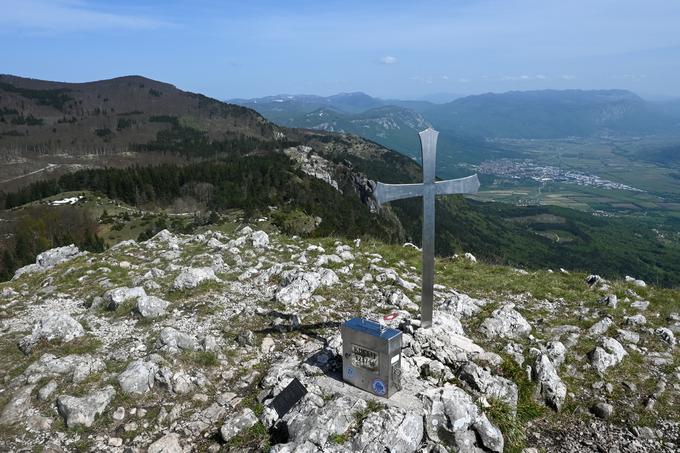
x: 371, y: 356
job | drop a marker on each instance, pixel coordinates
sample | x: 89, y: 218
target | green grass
x: 338, y: 439
x: 499, y: 413
x: 371, y: 407
x: 202, y: 289
x: 255, y: 438
x: 205, y: 359
x: 87, y: 344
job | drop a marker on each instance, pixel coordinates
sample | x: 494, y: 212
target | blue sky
x: 229, y: 49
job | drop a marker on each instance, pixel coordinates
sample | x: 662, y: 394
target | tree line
x: 41, y: 228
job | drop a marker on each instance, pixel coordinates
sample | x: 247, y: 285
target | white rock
x: 191, y: 277
x: 640, y: 305
x: 505, y: 322
x: 556, y: 351
x: 166, y: 444
x: 462, y: 305
x: 235, y: 425
x: 52, y: 326
x: 115, y: 297
x: 395, y: 430
x: 138, y: 377
x: 610, y: 353
x: 600, y: 327
x: 151, y: 306
x: 82, y: 411
x: 268, y: 345
x: 552, y: 388
x: 48, y: 259
x: 450, y: 412
x: 77, y: 366
x: 259, y: 239
x: 635, y: 320
x: 172, y: 340
x: 46, y: 391
x: 328, y: 278
x: 610, y: 300
x: 490, y: 386
x: 628, y: 336
x: 666, y: 336
x: 297, y: 286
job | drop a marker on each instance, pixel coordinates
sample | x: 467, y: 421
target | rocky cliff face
x: 180, y: 343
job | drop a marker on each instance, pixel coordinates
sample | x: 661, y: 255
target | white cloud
x: 567, y: 77
x: 68, y: 16
x: 388, y: 59
x: 525, y: 77
x: 630, y: 76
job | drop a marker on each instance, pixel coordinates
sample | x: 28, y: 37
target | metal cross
x: 384, y: 193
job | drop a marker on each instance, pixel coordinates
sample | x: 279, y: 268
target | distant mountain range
x: 517, y: 114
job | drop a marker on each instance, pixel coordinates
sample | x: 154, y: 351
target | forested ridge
x: 608, y: 246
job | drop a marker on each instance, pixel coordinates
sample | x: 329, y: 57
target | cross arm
x: 384, y: 193
x: 469, y: 184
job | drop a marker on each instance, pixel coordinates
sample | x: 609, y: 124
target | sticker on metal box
x: 364, y: 358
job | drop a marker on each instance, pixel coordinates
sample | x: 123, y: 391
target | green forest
x: 605, y: 245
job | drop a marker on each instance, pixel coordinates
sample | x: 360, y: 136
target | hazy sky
x: 407, y: 49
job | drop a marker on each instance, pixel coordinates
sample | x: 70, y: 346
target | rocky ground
x: 180, y: 343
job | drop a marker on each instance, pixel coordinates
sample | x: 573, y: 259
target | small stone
x: 609, y: 353
x: 82, y: 411
x: 602, y: 410
x: 666, y: 335
x: 610, y: 300
x: 45, y: 392
x: 259, y: 239
x: 268, y: 345
x: 172, y: 340
x: 166, y: 444
x: 600, y: 327
x: 636, y: 320
x: 646, y: 432
x: 115, y: 442
x: 628, y: 336
x: 246, y: 338
x: 119, y: 414
x: 237, y: 424
x: 52, y: 326
x: 640, y: 305
x: 151, y: 306
x: 552, y: 389
x: 138, y: 377
x: 505, y: 322
x: 191, y: 277
x: 115, y: 297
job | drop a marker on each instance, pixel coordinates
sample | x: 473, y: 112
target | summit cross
x: 428, y: 189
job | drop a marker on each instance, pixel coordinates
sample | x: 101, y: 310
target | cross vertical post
x: 428, y: 189
x: 428, y: 142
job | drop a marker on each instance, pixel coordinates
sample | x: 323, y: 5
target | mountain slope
x: 112, y: 115
x: 181, y: 343
x: 393, y: 124
x: 550, y: 114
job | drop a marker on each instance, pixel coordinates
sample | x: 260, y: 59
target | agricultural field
x: 629, y: 177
